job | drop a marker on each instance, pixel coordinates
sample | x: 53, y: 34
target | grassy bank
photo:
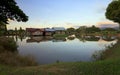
x: 60, y: 35
x: 110, y: 65
x: 9, y: 54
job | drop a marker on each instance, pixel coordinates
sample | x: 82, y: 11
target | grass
x: 14, y: 59
x: 110, y: 65
x: 9, y: 54
x: 7, y: 44
x: 79, y: 68
x: 59, y: 35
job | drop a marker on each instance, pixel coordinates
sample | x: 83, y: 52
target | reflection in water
x: 109, y: 38
x: 43, y: 39
x: 18, y: 37
x: 49, y: 50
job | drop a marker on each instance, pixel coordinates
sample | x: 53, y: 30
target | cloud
x: 69, y: 25
x: 73, y: 25
x: 107, y: 24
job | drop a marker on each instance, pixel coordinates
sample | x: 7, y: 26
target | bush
x: 10, y: 56
x: 8, y: 44
x: 13, y: 59
x: 59, y: 35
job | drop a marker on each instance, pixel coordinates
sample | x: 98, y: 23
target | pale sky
x: 61, y: 13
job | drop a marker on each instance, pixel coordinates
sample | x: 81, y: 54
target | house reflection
x: 59, y: 40
x: 16, y: 38
x: 97, y: 38
x: 43, y: 39
x: 88, y: 38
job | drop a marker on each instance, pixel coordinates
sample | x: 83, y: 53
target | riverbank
x: 109, y: 65
x: 9, y: 54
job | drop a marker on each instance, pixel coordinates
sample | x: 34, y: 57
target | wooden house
x: 34, y: 31
x: 49, y: 32
x: 59, y: 30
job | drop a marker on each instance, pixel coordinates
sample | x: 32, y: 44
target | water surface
x: 46, y: 50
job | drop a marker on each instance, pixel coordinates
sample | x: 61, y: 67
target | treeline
x: 19, y: 31
x: 93, y: 30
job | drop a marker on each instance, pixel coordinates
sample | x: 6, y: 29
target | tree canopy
x: 113, y: 11
x: 10, y: 10
x: 93, y: 29
x: 109, y: 29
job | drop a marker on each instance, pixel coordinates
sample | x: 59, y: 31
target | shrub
x: 14, y: 59
x: 10, y: 56
x: 8, y: 44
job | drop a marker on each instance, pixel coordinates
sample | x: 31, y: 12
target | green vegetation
x: 70, y: 31
x: 94, y: 31
x: 10, y: 11
x: 108, y: 65
x: 113, y: 11
x: 9, y: 55
x: 109, y: 31
x: 13, y: 64
x: 112, y: 53
x: 3, y: 28
x: 59, y: 35
x: 7, y: 44
x: 19, y: 32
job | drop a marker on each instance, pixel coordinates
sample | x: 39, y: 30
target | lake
x: 46, y: 50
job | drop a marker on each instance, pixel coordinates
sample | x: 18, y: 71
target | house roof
x: 58, y: 28
x: 33, y: 29
x: 49, y: 30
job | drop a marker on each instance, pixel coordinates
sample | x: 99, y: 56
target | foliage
x: 81, y: 30
x: 8, y: 44
x: 3, y: 28
x: 70, y: 31
x: 10, y: 10
x: 109, y: 29
x: 109, y: 66
x: 9, y: 55
x: 113, y: 11
x: 59, y: 35
x: 93, y: 29
x: 14, y: 59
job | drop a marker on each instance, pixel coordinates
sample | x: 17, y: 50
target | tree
x: 21, y: 31
x: 10, y: 10
x: 93, y: 29
x: 109, y: 29
x: 71, y: 30
x: 3, y: 28
x: 81, y: 30
x: 113, y: 11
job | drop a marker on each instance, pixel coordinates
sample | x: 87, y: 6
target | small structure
x: 49, y: 31
x: 34, y: 31
x: 59, y: 30
x: 45, y: 31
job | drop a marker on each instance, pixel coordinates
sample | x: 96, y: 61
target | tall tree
x: 10, y: 10
x: 113, y: 11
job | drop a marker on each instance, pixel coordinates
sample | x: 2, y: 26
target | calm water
x: 47, y: 50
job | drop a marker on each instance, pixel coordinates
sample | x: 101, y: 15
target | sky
x: 61, y: 13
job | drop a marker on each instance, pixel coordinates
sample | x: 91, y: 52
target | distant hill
x: 104, y: 26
